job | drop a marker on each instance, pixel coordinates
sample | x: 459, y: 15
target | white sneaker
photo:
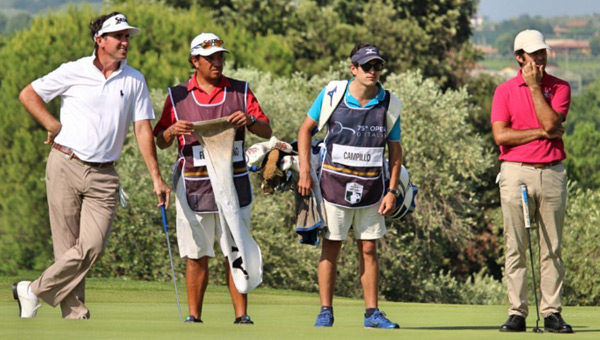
x: 27, y: 306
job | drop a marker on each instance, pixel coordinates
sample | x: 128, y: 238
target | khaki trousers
x: 82, y: 200
x: 547, y: 196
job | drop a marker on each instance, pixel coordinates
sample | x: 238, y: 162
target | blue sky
x: 498, y: 10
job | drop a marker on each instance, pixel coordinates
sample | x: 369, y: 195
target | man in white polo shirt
x: 100, y: 96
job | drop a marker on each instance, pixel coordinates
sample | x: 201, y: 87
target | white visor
x: 116, y: 23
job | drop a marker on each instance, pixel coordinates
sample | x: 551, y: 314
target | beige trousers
x: 82, y: 202
x: 547, y: 196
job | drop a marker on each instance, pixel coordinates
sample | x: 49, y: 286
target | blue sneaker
x: 378, y: 320
x: 324, y: 319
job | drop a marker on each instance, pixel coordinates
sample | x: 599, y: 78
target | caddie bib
x: 198, y: 189
x: 352, y: 173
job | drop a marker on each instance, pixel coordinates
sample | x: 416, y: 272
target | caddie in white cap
x: 206, y: 44
x: 208, y: 95
x: 101, y: 97
x: 527, y: 116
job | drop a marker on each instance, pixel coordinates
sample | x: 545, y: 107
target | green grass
x: 147, y: 310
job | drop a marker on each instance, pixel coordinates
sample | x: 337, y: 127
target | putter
x: 166, y: 230
x: 528, y: 227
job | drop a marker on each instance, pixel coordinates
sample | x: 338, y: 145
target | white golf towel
x: 245, y: 260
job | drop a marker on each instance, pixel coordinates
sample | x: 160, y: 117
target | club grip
x: 525, y: 206
x: 164, y: 218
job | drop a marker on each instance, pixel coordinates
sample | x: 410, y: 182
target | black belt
x: 72, y: 155
x: 541, y: 165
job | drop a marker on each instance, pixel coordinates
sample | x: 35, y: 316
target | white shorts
x: 367, y: 223
x: 196, y: 232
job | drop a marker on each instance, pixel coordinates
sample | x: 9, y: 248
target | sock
x: 370, y: 312
x: 30, y: 293
x: 327, y: 308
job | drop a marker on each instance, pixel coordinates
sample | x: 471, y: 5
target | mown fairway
x: 147, y: 310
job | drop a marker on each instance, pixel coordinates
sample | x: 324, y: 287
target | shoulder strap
x: 393, y: 111
x: 334, y: 92
x: 177, y: 93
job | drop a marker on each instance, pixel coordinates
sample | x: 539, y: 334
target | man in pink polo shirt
x: 527, y: 115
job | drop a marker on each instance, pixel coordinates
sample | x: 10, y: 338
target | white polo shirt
x: 95, y: 112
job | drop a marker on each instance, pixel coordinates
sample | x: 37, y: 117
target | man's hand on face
x: 532, y: 74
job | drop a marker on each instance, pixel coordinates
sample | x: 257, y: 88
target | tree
x: 160, y: 53
x: 583, y: 160
x: 16, y: 22
x: 581, y: 249
x: 319, y: 38
x: 505, y: 43
x: 582, y: 130
x: 26, y: 55
x: 3, y: 20
x: 414, y: 34
x: 595, y: 45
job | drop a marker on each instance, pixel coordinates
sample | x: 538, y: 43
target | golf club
x: 166, y: 230
x: 528, y: 227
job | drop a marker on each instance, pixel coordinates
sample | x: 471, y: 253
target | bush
x: 580, y: 249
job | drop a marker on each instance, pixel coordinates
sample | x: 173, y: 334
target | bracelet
x: 252, y: 120
x: 393, y: 191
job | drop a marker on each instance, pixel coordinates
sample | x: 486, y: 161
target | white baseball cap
x: 117, y: 22
x: 205, y: 44
x: 530, y: 41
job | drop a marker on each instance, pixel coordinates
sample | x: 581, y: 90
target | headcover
x: 405, y: 202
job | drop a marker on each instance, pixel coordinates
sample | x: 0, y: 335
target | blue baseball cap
x: 366, y: 54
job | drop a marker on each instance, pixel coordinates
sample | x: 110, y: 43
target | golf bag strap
x: 393, y: 111
x: 334, y: 92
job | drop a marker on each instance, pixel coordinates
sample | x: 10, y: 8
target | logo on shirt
x: 370, y: 51
x: 339, y: 128
x: 547, y: 93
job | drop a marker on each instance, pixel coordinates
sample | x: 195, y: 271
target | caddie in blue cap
x: 361, y: 119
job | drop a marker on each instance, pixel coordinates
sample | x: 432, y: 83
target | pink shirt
x: 513, y: 104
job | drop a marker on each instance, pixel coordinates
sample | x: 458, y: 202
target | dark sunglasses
x: 367, y: 67
x: 210, y: 43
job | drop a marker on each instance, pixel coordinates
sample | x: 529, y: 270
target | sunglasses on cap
x: 367, y: 67
x: 206, y: 44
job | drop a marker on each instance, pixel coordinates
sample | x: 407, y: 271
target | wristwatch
x: 252, y: 120
x: 393, y: 191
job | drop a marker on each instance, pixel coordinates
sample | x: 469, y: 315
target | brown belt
x: 72, y: 155
x: 541, y: 165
